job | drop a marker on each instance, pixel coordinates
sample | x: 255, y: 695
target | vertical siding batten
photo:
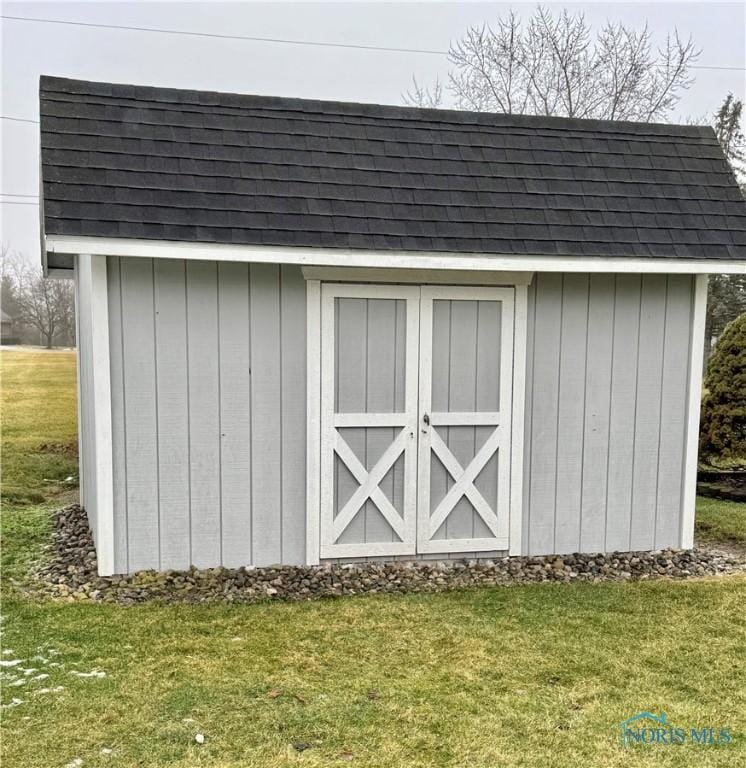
x: 596, y: 421
x: 622, y: 411
x: 293, y: 438
x: 171, y: 371
x: 544, y: 411
x: 139, y: 385
x: 570, y: 412
x: 204, y: 411
x: 647, y: 417
x: 235, y: 413
x: 265, y: 414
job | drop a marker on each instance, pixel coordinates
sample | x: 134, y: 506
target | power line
x: 17, y: 194
x: 283, y: 41
x: 228, y: 37
x: 17, y: 202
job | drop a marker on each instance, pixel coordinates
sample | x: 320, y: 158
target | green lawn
x: 722, y: 521
x: 527, y: 676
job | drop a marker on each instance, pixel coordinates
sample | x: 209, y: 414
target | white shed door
x: 415, y: 419
x: 466, y: 365
x: 368, y: 463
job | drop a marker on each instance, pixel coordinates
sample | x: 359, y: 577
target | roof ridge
x: 361, y: 109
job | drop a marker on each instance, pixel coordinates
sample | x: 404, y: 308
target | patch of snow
x: 75, y: 763
x: 12, y: 703
x: 17, y: 683
x: 106, y: 751
x: 42, y: 676
x: 10, y: 662
x: 8, y: 652
x: 29, y: 671
x: 200, y: 738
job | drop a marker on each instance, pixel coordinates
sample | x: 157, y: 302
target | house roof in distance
x: 122, y: 161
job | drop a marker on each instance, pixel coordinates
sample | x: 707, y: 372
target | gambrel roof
x: 121, y: 161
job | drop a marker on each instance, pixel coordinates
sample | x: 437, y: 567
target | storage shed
x: 315, y: 331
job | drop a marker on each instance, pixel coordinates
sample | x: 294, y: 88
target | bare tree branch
x: 554, y: 65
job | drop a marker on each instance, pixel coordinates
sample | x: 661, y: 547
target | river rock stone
x: 68, y: 573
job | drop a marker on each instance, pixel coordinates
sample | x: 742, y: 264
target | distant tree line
x: 41, y: 312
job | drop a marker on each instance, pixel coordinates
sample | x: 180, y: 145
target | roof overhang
x: 61, y: 248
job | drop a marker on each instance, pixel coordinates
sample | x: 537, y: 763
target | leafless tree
x: 552, y: 65
x: 46, y: 307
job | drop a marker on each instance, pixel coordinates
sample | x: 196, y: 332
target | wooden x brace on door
x: 464, y: 481
x: 369, y: 484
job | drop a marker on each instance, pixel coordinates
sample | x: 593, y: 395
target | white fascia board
x: 352, y: 257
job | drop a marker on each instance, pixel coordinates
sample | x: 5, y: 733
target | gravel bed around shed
x: 69, y: 573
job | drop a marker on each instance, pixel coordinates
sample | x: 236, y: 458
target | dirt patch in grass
x: 68, y: 449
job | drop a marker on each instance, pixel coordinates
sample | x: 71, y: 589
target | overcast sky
x: 31, y: 49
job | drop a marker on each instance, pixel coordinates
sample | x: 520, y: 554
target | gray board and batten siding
x: 208, y: 398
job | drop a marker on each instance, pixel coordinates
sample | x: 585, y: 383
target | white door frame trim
x: 313, y: 414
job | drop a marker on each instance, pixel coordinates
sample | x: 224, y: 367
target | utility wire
x: 17, y: 202
x: 227, y: 37
x: 17, y: 194
x: 283, y: 41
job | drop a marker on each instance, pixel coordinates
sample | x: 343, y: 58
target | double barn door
x: 416, y: 386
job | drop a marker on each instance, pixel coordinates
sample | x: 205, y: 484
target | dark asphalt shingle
x: 160, y: 163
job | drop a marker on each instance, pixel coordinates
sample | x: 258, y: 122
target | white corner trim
x: 352, y: 257
x: 313, y: 420
x: 694, y: 397
x: 78, y: 389
x: 518, y: 422
x: 99, y: 303
x: 91, y: 275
